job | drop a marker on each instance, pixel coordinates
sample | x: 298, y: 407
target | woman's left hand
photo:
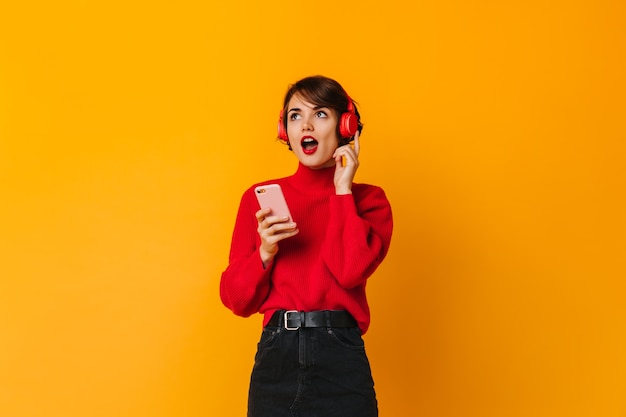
x: 344, y: 174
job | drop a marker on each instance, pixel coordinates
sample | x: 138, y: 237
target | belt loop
x: 327, y: 315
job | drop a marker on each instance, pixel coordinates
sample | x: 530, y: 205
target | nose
x: 307, y: 125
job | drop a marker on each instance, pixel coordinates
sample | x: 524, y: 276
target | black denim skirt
x: 311, y: 372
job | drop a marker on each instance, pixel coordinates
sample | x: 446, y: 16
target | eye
x: 294, y: 116
x: 321, y: 114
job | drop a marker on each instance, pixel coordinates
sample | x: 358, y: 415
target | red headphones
x: 348, y: 123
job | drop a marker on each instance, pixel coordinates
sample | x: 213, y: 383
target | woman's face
x: 312, y: 132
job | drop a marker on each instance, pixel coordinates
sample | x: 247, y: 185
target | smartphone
x: 271, y: 195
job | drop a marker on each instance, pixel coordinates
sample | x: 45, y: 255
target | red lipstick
x: 309, y: 145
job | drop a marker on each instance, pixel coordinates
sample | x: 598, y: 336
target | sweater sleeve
x: 358, y: 236
x: 245, y: 283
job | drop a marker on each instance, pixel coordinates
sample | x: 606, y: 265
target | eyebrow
x: 314, y: 108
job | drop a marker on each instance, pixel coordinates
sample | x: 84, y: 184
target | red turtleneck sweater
x: 342, y: 240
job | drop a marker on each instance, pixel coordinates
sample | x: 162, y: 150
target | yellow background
x: 129, y: 130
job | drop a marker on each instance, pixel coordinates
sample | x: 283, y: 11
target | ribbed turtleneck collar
x: 312, y: 180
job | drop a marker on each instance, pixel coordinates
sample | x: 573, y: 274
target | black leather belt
x: 293, y: 320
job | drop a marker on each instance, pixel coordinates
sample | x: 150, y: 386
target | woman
x: 307, y: 276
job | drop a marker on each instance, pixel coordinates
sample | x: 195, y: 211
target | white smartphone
x: 271, y: 195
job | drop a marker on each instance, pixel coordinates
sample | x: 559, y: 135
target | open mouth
x: 309, y: 145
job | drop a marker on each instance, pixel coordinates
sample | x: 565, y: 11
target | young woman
x: 307, y: 274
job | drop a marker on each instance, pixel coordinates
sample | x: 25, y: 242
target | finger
x: 357, y: 144
x: 338, y: 156
x: 341, y: 157
x: 282, y: 227
x: 338, y: 151
x: 279, y: 232
x: 339, y: 163
x: 260, y: 215
x: 272, y: 221
x: 348, y: 153
x: 284, y: 235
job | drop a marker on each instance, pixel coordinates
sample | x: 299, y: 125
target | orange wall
x: 129, y: 130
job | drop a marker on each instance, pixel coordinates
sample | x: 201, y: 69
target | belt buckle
x: 286, y: 319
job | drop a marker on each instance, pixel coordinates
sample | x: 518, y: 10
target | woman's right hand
x: 272, y: 229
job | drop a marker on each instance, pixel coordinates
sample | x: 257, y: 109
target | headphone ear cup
x: 348, y: 125
x: 282, y: 132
